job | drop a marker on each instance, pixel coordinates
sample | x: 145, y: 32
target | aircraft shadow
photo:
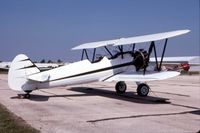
x: 34, y: 97
x: 128, y: 96
x: 85, y: 91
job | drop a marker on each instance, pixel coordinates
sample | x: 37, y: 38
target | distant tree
x: 50, y: 61
x: 59, y: 61
x: 42, y: 61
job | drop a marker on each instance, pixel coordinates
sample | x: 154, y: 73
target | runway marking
x: 147, y: 115
x: 184, y: 106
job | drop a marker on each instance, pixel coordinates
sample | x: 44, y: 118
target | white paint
x: 24, y: 75
x: 132, y: 40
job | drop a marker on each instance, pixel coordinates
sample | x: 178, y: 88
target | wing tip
x: 185, y: 31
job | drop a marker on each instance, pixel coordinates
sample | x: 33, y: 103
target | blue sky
x: 47, y: 29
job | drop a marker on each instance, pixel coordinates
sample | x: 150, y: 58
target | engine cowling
x: 141, y: 59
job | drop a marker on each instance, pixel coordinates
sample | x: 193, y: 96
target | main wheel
x: 143, y: 89
x: 120, y: 87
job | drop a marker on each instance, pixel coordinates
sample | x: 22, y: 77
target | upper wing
x: 131, y: 40
x: 143, y: 78
x: 149, y: 38
x: 95, y: 44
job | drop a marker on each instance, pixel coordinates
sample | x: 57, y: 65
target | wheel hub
x: 122, y: 87
x: 144, y: 90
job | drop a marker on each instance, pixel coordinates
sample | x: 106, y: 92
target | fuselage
x: 83, y: 72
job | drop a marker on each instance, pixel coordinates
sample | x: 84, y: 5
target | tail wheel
x: 27, y: 95
x: 143, y: 89
x: 120, y: 87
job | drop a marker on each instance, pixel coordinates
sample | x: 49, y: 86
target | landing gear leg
x: 143, y: 89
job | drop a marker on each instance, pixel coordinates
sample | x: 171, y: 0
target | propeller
x: 142, y: 57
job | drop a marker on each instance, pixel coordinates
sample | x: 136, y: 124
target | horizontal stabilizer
x: 39, y: 77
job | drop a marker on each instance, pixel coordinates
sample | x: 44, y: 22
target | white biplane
x: 125, y: 65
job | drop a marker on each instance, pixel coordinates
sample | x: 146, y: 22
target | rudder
x: 20, y: 68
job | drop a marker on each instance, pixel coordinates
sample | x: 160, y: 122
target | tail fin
x: 20, y: 68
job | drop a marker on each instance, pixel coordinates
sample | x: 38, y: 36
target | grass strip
x: 10, y: 123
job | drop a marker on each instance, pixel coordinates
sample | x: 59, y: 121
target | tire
x: 28, y: 92
x: 27, y: 96
x: 120, y: 87
x: 143, y: 90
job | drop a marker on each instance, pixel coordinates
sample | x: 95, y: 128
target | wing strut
x: 152, y: 47
x: 155, y: 54
x: 133, y: 48
x: 108, y: 51
x: 94, y: 52
x: 121, y: 50
x: 84, y: 52
x: 163, y: 53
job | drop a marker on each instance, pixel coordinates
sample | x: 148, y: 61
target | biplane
x: 119, y: 66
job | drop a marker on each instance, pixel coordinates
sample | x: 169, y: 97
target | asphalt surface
x: 173, y: 106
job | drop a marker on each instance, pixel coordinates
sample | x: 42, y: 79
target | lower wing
x: 139, y: 77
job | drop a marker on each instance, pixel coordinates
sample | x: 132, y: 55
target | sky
x: 48, y: 29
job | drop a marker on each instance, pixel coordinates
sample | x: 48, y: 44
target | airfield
x: 173, y: 106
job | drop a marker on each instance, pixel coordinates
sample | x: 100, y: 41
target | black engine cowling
x: 141, y: 59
